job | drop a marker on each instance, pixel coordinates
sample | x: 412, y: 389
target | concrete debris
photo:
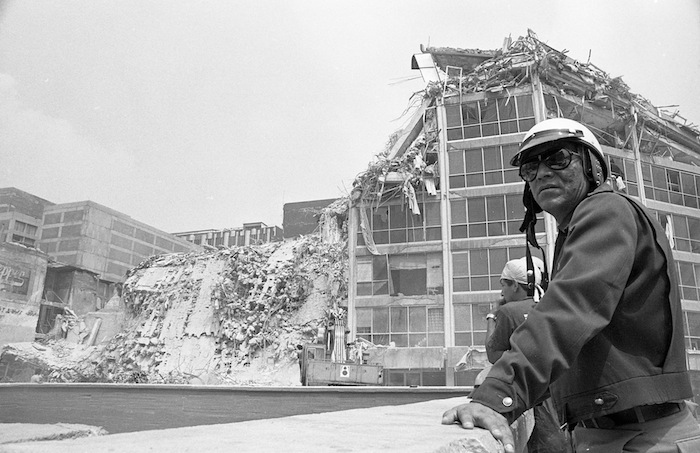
x: 577, y: 90
x: 390, y: 175
x: 231, y: 316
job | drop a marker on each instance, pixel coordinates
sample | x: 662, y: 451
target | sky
x: 189, y: 115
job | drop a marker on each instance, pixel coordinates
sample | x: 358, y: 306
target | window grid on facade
x: 480, y: 269
x: 482, y: 166
x: 625, y: 169
x: 373, y: 276
x: 23, y: 240
x: 489, y: 117
x: 470, y: 324
x: 686, y: 231
x: 25, y: 228
x: 396, y: 224
x: 689, y: 280
x: 416, y: 274
x: 671, y: 186
x: 414, y: 326
x: 692, y: 330
x: 489, y: 216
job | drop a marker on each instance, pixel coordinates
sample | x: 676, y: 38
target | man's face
x: 508, y: 289
x: 559, y: 191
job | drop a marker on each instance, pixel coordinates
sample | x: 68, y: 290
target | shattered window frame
x: 588, y: 112
x: 382, y: 275
x: 372, y: 276
x: 628, y: 173
x: 424, y: 325
x: 394, y: 223
x: 686, y: 230
x: 488, y: 116
x: 482, y: 166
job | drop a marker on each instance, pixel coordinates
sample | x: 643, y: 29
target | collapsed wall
x: 230, y: 316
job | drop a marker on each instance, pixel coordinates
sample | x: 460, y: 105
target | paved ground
x: 26, y: 432
x: 408, y: 428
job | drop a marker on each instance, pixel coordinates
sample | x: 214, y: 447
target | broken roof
x: 572, y: 89
x: 583, y: 82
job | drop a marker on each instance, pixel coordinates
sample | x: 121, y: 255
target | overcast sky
x: 191, y: 115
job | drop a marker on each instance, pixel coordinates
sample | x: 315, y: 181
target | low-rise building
x: 21, y: 214
x: 90, y: 236
x: 22, y: 275
x: 249, y: 234
x: 71, y: 256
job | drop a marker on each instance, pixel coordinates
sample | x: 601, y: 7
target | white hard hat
x: 516, y: 270
x: 555, y: 129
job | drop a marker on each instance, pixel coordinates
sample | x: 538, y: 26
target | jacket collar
x: 605, y: 187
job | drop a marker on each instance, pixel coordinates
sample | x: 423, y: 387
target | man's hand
x: 474, y: 414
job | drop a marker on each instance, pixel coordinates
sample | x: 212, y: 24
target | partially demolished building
x: 68, y: 256
x: 436, y: 216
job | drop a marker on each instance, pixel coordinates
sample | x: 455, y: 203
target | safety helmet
x: 516, y: 270
x: 543, y: 135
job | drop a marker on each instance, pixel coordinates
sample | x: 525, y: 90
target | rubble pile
x: 52, y: 361
x: 233, y: 316
x: 206, y: 318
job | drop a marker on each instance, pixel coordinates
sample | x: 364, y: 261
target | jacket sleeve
x: 590, y: 274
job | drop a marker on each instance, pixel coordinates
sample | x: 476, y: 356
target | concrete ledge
x: 28, y: 432
x: 408, y: 428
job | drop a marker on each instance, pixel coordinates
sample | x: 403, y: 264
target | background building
x: 72, y: 256
x: 250, y: 234
x: 437, y: 217
x: 21, y: 214
x: 22, y: 274
x: 99, y: 239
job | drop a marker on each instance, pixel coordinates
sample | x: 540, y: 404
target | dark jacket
x: 608, y: 333
x: 508, y: 318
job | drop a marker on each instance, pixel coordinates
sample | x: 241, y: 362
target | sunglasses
x: 558, y: 160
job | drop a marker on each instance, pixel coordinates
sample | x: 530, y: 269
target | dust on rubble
x: 232, y: 316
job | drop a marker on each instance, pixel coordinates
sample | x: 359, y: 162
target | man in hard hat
x: 606, y: 339
x: 517, y: 285
x: 516, y: 304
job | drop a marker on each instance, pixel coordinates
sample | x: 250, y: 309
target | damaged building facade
x: 65, y: 259
x: 436, y: 216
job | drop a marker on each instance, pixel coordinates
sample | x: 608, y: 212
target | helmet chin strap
x: 528, y: 227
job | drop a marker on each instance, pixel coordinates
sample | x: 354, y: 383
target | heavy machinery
x: 332, y: 361
x: 318, y: 367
